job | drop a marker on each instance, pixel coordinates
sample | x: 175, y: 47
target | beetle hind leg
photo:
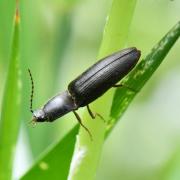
x: 80, y: 122
x: 93, y: 115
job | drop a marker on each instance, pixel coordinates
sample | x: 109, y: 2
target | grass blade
x: 115, y: 35
x: 117, y: 28
x: 10, y: 113
x: 141, y: 74
x: 54, y: 164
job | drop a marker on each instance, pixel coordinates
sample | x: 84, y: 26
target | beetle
x: 88, y: 86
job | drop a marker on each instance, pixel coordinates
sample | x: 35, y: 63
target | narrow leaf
x: 10, y: 112
x: 55, y: 162
x: 141, y: 74
x: 114, y: 38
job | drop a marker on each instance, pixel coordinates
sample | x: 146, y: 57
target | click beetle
x: 88, y: 86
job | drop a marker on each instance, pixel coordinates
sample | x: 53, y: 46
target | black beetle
x: 87, y: 87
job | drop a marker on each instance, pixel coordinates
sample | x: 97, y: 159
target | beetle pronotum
x: 87, y: 87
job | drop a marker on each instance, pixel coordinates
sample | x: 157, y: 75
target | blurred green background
x: 60, y: 39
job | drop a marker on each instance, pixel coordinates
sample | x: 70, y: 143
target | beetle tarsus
x: 80, y: 122
x: 117, y: 85
x: 123, y: 85
x: 93, y: 115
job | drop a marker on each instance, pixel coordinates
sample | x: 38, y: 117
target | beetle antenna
x: 32, y: 90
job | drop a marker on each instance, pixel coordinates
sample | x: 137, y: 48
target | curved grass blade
x: 87, y: 153
x: 55, y: 162
x: 10, y: 112
x: 117, y: 27
x: 141, y: 74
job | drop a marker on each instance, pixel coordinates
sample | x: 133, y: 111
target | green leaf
x: 141, y: 74
x: 117, y: 27
x: 115, y: 36
x: 55, y: 162
x: 10, y: 112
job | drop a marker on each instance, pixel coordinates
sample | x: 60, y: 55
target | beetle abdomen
x: 100, y: 77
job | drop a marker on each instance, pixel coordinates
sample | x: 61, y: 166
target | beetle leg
x: 123, y: 85
x: 93, y: 115
x: 117, y: 85
x: 80, y: 122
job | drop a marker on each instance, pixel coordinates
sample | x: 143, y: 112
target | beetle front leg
x: 93, y: 115
x: 80, y: 122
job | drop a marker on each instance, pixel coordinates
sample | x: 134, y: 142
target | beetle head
x: 39, y: 116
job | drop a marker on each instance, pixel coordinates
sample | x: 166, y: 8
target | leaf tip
x: 17, y: 16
